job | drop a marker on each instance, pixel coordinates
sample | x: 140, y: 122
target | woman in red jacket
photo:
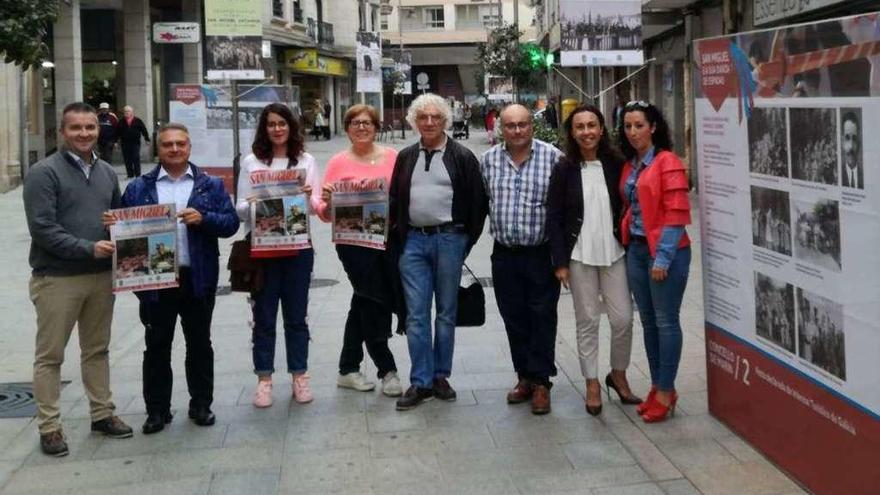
x: 655, y: 194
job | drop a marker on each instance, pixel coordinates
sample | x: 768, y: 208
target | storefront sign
x: 233, y: 39
x: 310, y: 62
x: 600, y: 32
x: 767, y: 11
x: 790, y: 210
x: 176, y: 32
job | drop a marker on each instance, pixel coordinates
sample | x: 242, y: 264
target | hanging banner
x: 498, y: 88
x: 206, y: 110
x: 600, y: 32
x: 402, y: 75
x: 233, y: 39
x: 788, y: 128
x: 368, y: 62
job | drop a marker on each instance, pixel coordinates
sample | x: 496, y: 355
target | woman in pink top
x: 372, y: 272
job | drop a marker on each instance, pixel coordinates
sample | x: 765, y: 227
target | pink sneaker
x: 301, y: 391
x: 263, y: 394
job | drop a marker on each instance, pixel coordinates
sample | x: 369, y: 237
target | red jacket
x: 662, y: 189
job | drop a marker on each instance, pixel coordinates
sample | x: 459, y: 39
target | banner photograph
x: 369, y: 62
x: 786, y: 120
x: 600, y: 32
x: 233, y: 39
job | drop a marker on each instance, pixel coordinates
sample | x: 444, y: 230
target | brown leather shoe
x: 540, y: 399
x: 521, y: 392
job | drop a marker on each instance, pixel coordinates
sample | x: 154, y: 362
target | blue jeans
x: 431, y: 266
x: 286, y: 280
x: 659, y: 305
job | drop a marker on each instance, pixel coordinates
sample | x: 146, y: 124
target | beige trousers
x: 62, y: 302
x: 587, y: 283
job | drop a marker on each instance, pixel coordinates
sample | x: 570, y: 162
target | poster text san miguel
x: 279, y: 211
x: 360, y: 213
x: 146, y: 248
x: 788, y: 135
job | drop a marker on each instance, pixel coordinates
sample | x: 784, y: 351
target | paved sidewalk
x: 355, y: 442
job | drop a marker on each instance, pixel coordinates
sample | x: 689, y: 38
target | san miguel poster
x: 280, y: 211
x: 146, y: 248
x: 788, y: 135
x: 360, y: 213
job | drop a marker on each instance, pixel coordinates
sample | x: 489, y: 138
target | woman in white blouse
x: 278, y: 145
x: 583, y: 225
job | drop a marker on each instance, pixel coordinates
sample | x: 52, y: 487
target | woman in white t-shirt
x: 583, y: 225
x: 278, y: 145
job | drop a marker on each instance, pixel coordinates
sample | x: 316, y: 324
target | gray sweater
x: 64, y: 210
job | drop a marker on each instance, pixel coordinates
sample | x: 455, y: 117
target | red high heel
x: 647, y: 402
x: 657, y: 412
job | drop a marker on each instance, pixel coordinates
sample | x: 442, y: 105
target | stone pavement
x: 355, y: 442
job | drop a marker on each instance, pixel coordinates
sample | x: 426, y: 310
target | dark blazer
x: 565, y: 206
x: 131, y: 135
x: 219, y: 219
x: 844, y: 179
x: 469, y: 201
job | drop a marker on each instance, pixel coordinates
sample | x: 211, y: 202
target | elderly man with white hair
x: 438, y: 207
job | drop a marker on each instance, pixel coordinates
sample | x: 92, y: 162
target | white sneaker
x: 391, y: 385
x: 356, y: 381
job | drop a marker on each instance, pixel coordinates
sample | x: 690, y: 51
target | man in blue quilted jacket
x: 205, y: 213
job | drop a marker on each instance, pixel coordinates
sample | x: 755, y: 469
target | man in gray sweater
x: 64, y: 197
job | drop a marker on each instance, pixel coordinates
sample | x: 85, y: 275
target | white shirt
x: 85, y: 167
x: 177, y: 191
x: 251, y: 163
x: 596, y: 244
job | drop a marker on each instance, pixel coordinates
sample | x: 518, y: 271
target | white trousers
x: 587, y: 283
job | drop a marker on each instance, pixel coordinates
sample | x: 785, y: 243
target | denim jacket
x: 219, y: 219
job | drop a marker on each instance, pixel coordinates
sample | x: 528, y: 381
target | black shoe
x: 202, y: 415
x: 156, y: 422
x: 112, y: 427
x: 443, y: 390
x: 53, y: 444
x: 413, y: 397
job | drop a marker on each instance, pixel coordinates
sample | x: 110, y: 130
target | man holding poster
x: 205, y: 213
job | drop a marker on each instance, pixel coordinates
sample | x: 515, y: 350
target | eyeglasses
x: 425, y: 117
x: 512, y: 126
x: 281, y: 124
x: 362, y: 124
x: 637, y: 103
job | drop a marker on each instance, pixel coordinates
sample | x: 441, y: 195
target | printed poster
x: 146, y: 248
x: 280, y: 214
x: 233, y: 39
x: 368, y: 62
x: 360, y: 213
x: 787, y: 144
x: 600, y: 32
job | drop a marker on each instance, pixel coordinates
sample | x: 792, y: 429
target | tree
x: 23, y: 26
x: 503, y: 54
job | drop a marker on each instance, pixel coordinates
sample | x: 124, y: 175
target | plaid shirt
x: 518, y: 195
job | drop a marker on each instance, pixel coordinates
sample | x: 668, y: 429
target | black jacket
x: 565, y: 206
x: 469, y: 201
x: 131, y: 135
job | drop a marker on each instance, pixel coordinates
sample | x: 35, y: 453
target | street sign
x: 422, y: 81
x: 176, y: 32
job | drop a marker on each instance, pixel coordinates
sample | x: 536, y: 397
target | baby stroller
x: 460, y: 130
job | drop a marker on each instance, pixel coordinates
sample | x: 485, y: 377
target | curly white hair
x: 424, y: 101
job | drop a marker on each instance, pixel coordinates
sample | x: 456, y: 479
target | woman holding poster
x: 372, y: 272
x: 278, y: 145
x: 583, y: 226
x: 655, y: 194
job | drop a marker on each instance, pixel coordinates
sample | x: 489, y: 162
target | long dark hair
x: 660, y: 138
x: 605, y: 152
x: 262, y: 146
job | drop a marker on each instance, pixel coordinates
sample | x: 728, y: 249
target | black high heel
x: 630, y: 399
x: 593, y: 410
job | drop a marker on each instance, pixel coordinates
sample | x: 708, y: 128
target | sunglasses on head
x: 638, y: 103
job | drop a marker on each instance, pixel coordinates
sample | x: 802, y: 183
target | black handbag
x: 245, y: 273
x: 471, y: 300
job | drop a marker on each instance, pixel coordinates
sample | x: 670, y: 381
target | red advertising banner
x: 787, y: 129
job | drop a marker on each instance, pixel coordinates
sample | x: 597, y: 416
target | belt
x: 638, y: 239
x: 443, y: 228
x: 518, y: 248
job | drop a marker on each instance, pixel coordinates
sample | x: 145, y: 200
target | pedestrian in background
x: 437, y: 211
x: 657, y: 209
x: 373, y: 273
x: 130, y: 131
x: 550, y: 114
x: 65, y: 195
x: 205, y: 214
x: 583, y: 225
x: 278, y: 145
x: 516, y: 175
x: 108, y: 123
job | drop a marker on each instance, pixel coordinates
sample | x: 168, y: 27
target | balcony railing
x: 320, y: 32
